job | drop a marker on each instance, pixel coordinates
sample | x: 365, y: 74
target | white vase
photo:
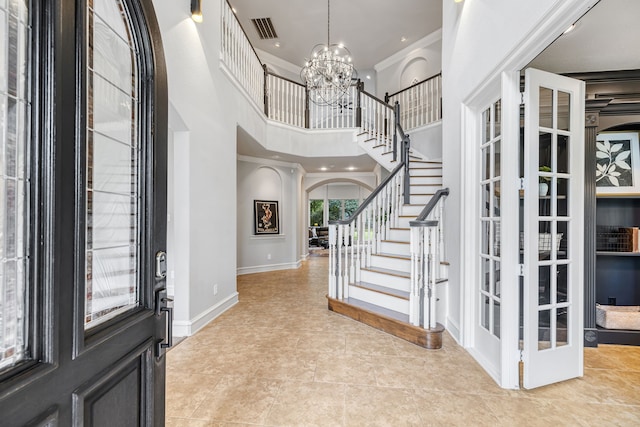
x: 543, y: 188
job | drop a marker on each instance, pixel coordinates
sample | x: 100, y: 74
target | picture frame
x: 617, y: 164
x: 266, y: 217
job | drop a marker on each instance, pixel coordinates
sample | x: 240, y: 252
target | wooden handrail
x: 369, y: 199
x: 375, y: 98
x: 421, y: 220
x: 284, y: 78
x: 413, y: 85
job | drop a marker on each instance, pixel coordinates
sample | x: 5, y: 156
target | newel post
x: 360, y: 87
x: 306, y: 108
x: 396, y: 114
x: 266, y: 90
x: 406, y: 145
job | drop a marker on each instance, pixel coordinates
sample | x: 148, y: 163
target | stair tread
x: 388, y: 272
x: 427, y: 161
x: 378, y: 310
x: 396, y: 241
x: 402, y: 228
x: 396, y: 256
x: 382, y: 290
x: 426, y: 185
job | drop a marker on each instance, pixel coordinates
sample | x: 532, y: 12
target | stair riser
x: 409, y: 210
x: 420, y: 199
x: 400, y: 235
x: 394, y: 282
x: 427, y: 172
x: 403, y: 222
x: 391, y: 263
x: 381, y: 300
x: 422, y: 180
x: 394, y: 248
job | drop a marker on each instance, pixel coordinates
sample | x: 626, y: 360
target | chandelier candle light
x: 328, y: 73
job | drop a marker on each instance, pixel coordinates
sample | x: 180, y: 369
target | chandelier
x: 328, y: 72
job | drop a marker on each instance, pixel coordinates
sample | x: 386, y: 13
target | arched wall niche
x: 414, y: 71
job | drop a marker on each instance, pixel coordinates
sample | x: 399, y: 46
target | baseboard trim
x: 267, y: 268
x: 453, y: 329
x: 183, y: 328
x: 491, y: 369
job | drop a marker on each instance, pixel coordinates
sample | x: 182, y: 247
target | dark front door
x: 83, y: 311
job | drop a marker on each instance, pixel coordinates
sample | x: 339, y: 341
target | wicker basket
x: 618, y: 317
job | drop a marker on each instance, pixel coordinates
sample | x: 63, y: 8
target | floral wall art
x: 617, y: 164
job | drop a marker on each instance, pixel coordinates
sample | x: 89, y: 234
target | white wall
x: 480, y: 39
x: 206, y: 216
x: 419, y: 60
x: 257, y: 180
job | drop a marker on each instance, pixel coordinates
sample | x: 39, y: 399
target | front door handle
x: 162, y: 306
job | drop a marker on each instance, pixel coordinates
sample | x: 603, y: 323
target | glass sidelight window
x: 15, y: 104
x: 112, y: 164
x: 490, y: 239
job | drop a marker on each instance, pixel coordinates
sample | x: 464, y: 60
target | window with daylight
x: 316, y: 213
x: 15, y: 122
x: 112, y: 169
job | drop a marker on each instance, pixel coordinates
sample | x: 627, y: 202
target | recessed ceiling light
x: 277, y: 44
x: 351, y: 168
x: 323, y: 168
x: 403, y: 39
x: 571, y: 28
x: 458, y: 1
x: 234, y: 10
x: 368, y: 77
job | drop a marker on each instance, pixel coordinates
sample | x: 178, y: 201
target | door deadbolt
x: 161, y: 265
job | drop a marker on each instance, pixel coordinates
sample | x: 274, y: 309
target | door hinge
x: 521, y: 184
x: 522, y: 98
x: 521, y: 270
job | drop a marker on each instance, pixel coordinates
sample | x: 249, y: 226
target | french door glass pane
x: 490, y: 225
x: 15, y: 106
x: 112, y: 198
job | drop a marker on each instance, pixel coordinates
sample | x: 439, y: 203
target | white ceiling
x: 371, y: 30
x: 606, y: 38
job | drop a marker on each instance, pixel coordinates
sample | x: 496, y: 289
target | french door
x: 83, y: 181
x: 552, y: 228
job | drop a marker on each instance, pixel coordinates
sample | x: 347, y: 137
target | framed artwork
x: 617, y: 163
x: 266, y: 217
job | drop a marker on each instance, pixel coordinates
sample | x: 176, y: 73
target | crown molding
x: 400, y: 55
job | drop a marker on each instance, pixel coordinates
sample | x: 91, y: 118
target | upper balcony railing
x: 421, y: 103
x: 287, y: 101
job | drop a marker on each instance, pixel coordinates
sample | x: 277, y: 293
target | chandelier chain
x: 328, y: 73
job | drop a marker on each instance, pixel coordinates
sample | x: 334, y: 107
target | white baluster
x: 333, y: 257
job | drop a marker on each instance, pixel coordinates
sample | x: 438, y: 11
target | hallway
x: 279, y: 357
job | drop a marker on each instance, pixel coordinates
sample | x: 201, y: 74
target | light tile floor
x: 280, y: 358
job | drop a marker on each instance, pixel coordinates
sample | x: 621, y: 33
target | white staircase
x: 386, y: 282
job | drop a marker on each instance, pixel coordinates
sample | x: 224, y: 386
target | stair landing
x: 389, y: 321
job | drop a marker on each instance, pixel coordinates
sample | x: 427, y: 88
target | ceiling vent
x: 265, y: 29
